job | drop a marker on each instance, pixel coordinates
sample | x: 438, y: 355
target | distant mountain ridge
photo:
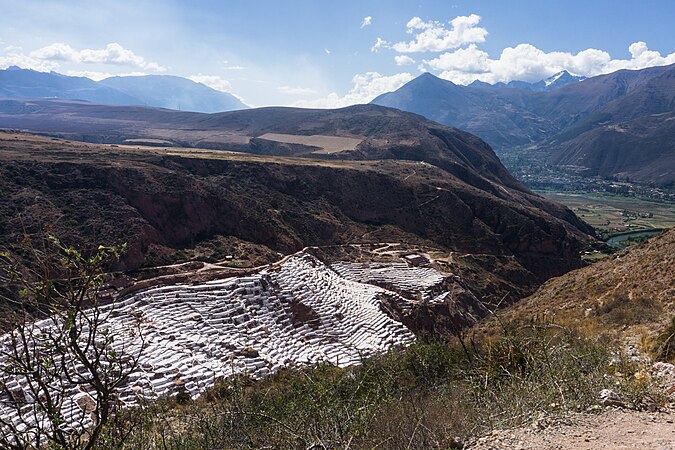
x: 561, y: 120
x: 553, y: 82
x: 463, y: 197
x: 167, y: 91
x: 162, y: 91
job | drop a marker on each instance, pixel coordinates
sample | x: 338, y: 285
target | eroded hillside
x: 629, y: 295
x: 178, y: 204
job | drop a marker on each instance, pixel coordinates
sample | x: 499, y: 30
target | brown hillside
x: 631, y: 294
x: 173, y: 204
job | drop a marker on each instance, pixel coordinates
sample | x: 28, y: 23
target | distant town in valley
x: 349, y: 225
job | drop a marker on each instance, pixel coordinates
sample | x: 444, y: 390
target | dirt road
x: 613, y: 429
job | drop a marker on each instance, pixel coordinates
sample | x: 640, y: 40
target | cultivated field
x: 326, y: 144
x: 613, y: 214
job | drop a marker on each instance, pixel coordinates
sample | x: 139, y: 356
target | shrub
x: 664, y: 346
x: 420, y: 397
x: 621, y: 310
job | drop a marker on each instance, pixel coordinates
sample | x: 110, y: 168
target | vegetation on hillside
x: 60, y: 376
x: 430, y: 395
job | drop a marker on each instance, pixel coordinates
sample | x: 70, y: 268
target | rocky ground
x: 614, y: 429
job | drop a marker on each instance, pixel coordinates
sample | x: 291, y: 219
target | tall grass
x: 429, y: 395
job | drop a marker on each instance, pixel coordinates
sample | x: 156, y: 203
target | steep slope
x: 618, y: 96
x: 172, y: 92
x: 641, y: 148
x: 381, y: 133
x: 627, y: 295
x: 24, y: 83
x: 497, y: 114
x: 556, y: 121
x: 152, y: 90
x: 166, y: 202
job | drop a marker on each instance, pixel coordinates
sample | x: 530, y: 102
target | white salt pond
x: 301, y: 312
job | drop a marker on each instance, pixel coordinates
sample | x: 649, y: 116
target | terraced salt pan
x: 301, y: 312
x: 423, y: 282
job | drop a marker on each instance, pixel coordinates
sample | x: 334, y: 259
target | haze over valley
x: 413, y: 226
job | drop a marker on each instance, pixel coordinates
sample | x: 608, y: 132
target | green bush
x: 421, y: 397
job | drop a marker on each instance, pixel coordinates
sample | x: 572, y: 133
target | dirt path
x: 613, y: 429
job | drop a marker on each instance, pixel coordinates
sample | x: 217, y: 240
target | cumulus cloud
x: 212, y: 81
x: 365, y: 87
x: 433, y: 36
x: 27, y: 62
x: 528, y: 63
x: 378, y: 45
x: 403, y: 60
x: 291, y: 90
x: 98, y: 76
x: 459, y: 58
x: 366, y: 21
x: 113, y: 53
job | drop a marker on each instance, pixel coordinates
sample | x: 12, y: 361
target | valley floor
x: 613, y: 429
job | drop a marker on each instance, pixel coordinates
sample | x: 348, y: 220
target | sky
x: 334, y: 53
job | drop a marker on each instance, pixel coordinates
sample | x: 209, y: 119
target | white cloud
x: 460, y: 59
x: 217, y: 83
x: 379, y: 44
x: 227, y: 66
x: 434, y: 37
x: 212, y: 81
x: 290, y: 90
x: 327, y: 51
x: 113, y: 53
x: 528, y: 63
x: 366, y: 21
x: 365, y: 87
x: 27, y: 62
x: 403, y: 60
x: 641, y: 57
x: 98, y: 76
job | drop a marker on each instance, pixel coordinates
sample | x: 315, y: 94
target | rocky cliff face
x: 170, y: 205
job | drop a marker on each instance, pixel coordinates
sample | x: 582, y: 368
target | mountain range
x: 590, y: 125
x: 551, y: 83
x: 162, y: 91
x: 298, y: 178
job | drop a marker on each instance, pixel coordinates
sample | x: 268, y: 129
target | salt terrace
x: 423, y: 282
x: 299, y: 312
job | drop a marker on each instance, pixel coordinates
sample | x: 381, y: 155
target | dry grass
x: 627, y: 296
x: 422, y: 397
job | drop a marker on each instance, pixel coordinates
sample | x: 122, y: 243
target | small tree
x: 63, y: 362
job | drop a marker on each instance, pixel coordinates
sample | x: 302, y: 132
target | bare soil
x: 612, y: 429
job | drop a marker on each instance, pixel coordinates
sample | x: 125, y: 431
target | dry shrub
x: 664, y: 345
x: 430, y: 395
x: 622, y: 310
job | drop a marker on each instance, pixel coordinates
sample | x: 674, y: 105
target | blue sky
x: 324, y: 53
